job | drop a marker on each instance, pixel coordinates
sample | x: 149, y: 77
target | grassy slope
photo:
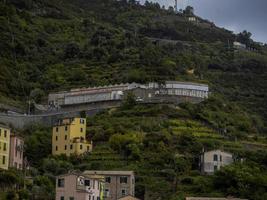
x: 51, y: 46
x: 161, y: 144
x: 149, y: 139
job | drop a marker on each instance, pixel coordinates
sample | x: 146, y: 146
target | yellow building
x: 4, y: 146
x: 69, y: 137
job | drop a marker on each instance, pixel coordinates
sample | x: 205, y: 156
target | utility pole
x: 176, y: 6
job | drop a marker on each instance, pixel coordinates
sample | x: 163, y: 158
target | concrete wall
x: 22, y: 121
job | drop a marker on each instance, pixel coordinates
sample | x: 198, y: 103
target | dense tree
x: 245, y: 180
x: 244, y: 37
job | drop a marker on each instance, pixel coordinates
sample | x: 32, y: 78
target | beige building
x: 69, y: 137
x: 129, y: 197
x: 16, y: 152
x: 212, y: 161
x: 118, y: 184
x: 75, y: 186
x: 210, y: 198
x: 4, y: 146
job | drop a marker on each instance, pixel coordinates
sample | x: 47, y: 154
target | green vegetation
x: 54, y: 45
x: 162, y: 145
x: 48, y: 45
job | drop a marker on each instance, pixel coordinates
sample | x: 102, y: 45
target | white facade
x: 115, y: 92
x: 212, y: 161
x: 239, y: 45
x: 187, y: 89
x: 192, y: 19
x: 88, y: 95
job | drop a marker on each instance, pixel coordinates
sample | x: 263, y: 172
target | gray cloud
x: 235, y: 15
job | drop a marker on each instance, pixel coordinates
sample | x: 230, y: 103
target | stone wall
x: 20, y: 121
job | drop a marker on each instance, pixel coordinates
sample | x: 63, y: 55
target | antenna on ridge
x: 176, y: 6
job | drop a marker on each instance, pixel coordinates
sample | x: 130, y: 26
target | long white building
x: 88, y: 95
x: 172, y: 91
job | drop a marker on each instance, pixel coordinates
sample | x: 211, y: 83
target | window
x: 81, y: 146
x: 81, y: 121
x: 215, y: 157
x: 66, y: 137
x: 89, y: 197
x: 123, y: 179
x: 65, y: 147
x: 71, y: 198
x: 56, y: 138
x: 215, y: 167
x: 123, y: 192
x: 66, y: 128
x: 88, y: 148
x: 56, y: 148
x: 61, y: 198
x: 5, y: 132
x: 106, y: 193
x: 93, y: 197
x: 221, y: 158
x: 98, y: 198
x: 4, y: 147
x: 81, y: 130
x: 0, y: 132
x: 107, y: 179
x: 87, y: 182
x: 4, y: 160
x: 56, y: 129
x: 71, y: 146
x: 60, y: 182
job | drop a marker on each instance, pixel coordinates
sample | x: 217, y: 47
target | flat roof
x: 186, y: 83
x: 5, y: 126
x: 91, y: 176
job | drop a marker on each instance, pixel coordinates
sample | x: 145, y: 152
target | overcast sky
x: 235, y: 15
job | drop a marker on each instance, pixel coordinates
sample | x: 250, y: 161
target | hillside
x: 162, y: 145
x: 50, y: 45
x: 54, y: 45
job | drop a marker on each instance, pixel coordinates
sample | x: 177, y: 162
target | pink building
x: 79, y: 187
x: 16, y: 152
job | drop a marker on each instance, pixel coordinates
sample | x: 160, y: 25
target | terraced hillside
x: 50, y: 46
x: 55, y: 45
